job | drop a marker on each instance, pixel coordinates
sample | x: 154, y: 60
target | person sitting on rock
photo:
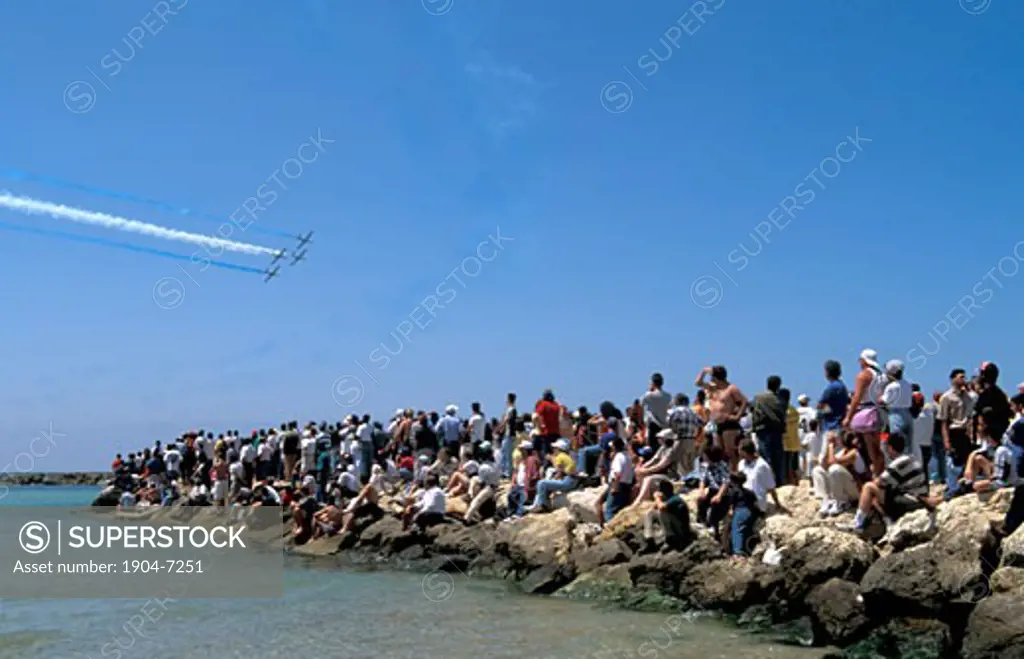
x: 429, y: 507
x: 620, y: 480
x: 752, y: 504
x: 662, y: 467
x: 482, y: 489
x: 458, y: 483
x: 714, y: 481
x: 991, y: 467
x: 671, y: 513
x: 444, y: 466
x: 525, y: 474
x: 562, y: 480
x: 839, y: 473
x: 899, y: 489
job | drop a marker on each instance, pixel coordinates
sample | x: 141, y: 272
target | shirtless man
x: 727, y: 405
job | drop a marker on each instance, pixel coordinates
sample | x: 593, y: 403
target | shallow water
x: 342, y: 613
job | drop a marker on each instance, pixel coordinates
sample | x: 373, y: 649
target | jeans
x: 939, y: 453
x: 516, y: 501
x: 769, y: 445
x: 743, y: 521
x: 652, y: 436
x: 616, y: 501
x: 953, y: 476
x: 506, y: 455
x: 546, y: 486
x: 583, y: 458
x: 1015, y: 515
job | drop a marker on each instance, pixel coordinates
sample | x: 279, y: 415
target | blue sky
x: 625, y: 216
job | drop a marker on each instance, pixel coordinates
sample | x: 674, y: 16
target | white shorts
x: 220, y: 490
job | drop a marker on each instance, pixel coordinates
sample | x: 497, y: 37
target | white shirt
x: 759, y: 480
x: 236, y: 471
x: 271, y: 441
x: 308, y: 448
x: 266, y: 452
x: 349, y: 481
x: 807, y: 414
x: 477, y: 423
x: 924, y: 427
x: 365, y: 434
x: 623, y: 468
x: 898, y: 395
x: 248, y: 453
x: 172, y: 458
x: 127, y: 499
x: 432, y: 501
x: 489, y: 474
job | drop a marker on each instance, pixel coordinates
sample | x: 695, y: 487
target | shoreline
x: 935, y: 591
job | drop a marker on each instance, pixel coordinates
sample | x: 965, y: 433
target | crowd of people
x: 873, y: 451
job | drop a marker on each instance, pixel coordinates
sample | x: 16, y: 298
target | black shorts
x: 425, y: 520
x: 726, y: 426
x: 899, y: 505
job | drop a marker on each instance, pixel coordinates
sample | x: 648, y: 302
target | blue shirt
x: 837, y: 398
x: 449, y: 427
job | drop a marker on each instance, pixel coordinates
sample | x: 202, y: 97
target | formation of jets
x: 298, y: 254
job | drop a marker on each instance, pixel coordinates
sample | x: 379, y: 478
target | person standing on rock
x: 956, y: 411
x: 507, y: 432
x: 655, y: 403
x: 727, y: 407
x: 769, y: 424
x: 620, y: 480
x: 862, y: 416
x: 550, y: 413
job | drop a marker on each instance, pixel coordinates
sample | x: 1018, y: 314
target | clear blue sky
x: 448, y: 126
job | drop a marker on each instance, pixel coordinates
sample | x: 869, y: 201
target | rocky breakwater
x: 939, y: 586
x: 54, y: 478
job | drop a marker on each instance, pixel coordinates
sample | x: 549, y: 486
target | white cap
x: 893, y: 366
x: 452, y: 409
x: 871, y: 358
x: 562, y: 444
x: 803, y: 398
x: 471, y: 467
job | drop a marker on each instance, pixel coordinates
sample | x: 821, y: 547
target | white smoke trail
x: 30, y: 206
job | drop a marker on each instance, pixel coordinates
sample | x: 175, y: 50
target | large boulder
x: 905, y: 584
x: 387, y: 536
x: 995, y: 629
x: 606, y: 552
x: 816, y: 554
x: 837, y: 613
x: 608, y: 582
x: 582, y: 504
x: 109, y: 496
x: 666, y: 571
x: 628, y: 525
x: 1013, y: 549
x: 723, y: 584
x: 457, y: 539
x: 906, y: 638
x: 914, y: 528
x: 1007, y: 580
x: 547, y: 579
x: 537, y: 540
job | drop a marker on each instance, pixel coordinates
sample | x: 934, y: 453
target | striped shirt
x: 904, y: 475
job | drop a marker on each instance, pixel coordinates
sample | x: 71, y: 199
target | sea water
x: 332, y: 612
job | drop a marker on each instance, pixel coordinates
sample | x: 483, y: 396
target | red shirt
x: 406, y: 462
x: 549, y: 412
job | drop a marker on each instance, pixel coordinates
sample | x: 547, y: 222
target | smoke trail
x: 5, y: 226
x: 30, y: 206
x: 18, y: 175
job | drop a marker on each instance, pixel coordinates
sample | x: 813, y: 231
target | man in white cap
x: 448, y: 429
x: 862, y: 416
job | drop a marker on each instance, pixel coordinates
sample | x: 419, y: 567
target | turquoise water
x: 337, y: 613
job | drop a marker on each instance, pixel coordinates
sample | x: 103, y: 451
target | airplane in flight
x: 271, y: 273
x: 280, y: 255
x: 299, y: 257
x: 304, y: 240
